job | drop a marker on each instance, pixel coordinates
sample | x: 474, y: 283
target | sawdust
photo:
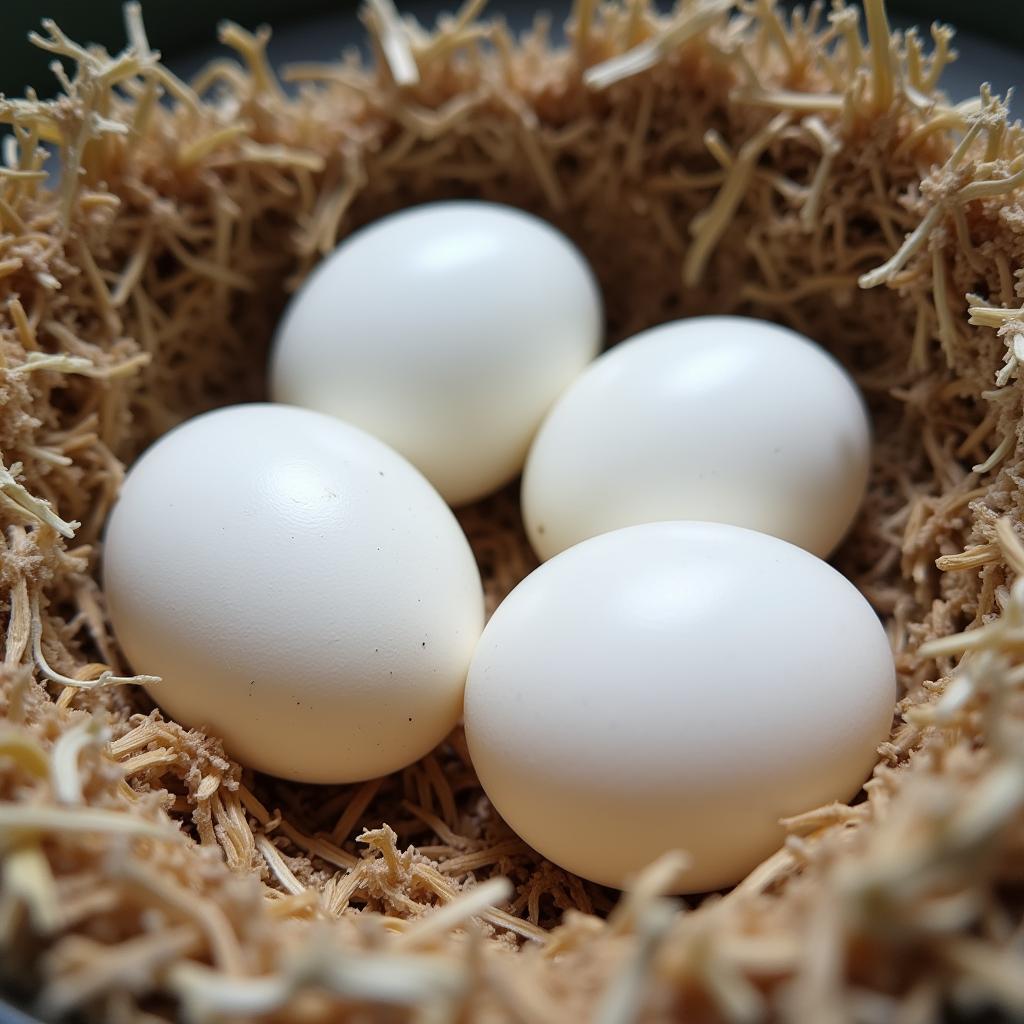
x: 718, y: 159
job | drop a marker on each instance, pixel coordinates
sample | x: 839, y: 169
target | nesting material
x: 719, y: 159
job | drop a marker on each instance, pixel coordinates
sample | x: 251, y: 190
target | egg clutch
x: 683, y: 668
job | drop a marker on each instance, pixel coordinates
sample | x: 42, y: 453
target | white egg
x: 724, y: 419
x: 675, y: 686
x: 447, y: 330
x: 301, y: 589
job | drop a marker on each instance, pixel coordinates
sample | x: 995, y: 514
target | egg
x: 722, y: 418
x: 300, y: 589
x: 446, y: 330
x: 675, y: 686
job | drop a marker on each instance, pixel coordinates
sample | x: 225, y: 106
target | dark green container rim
x: 176, y: 26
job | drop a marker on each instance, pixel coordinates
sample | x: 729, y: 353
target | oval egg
x: 447, y: 330
x: 721, y: 418
x: 301, y: 589
x: 676, y: 686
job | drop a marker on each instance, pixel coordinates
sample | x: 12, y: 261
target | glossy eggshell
x: 676, y: 686
x: 301, y: 589
x: 447, y: 330
x: 722, y: 419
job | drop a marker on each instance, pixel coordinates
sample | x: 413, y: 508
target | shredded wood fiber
x: 718, y: 159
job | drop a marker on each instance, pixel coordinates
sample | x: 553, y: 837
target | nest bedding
x: 721, y: 158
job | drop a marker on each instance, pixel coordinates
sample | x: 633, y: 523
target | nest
x: 722, y: 158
